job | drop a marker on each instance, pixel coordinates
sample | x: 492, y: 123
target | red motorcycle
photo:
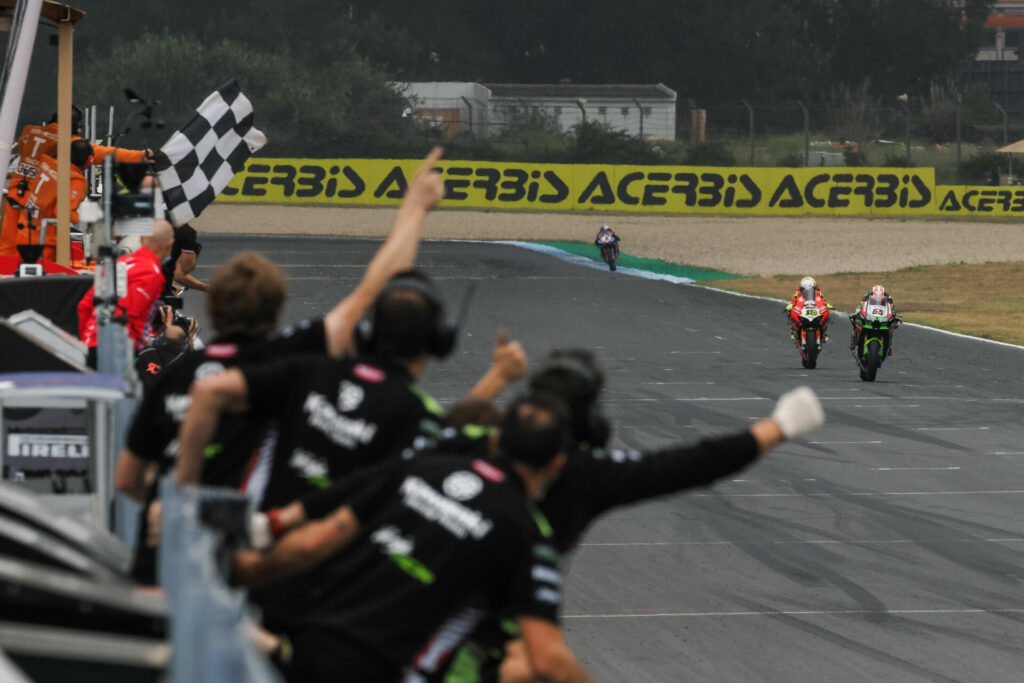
x: 809, y: 317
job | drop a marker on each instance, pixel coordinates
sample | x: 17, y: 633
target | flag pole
x: 15, y: 73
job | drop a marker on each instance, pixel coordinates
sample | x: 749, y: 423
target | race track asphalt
x: 888, y: 545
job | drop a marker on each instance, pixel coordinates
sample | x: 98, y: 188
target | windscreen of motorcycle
x: 808, y: 294
x: 877, y: 300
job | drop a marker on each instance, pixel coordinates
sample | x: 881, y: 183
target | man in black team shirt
x: 597, y: 479
x: 244, y: 303
x: 334, y: 415
x: 431, y: 545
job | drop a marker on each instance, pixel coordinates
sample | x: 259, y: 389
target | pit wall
x: 891, y: 192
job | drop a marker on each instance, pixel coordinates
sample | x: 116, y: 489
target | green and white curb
x: 587, y: 255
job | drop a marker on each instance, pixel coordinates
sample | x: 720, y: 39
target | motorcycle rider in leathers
x: 808, y: 291
x: 861, y: 312
x: 603, y: 231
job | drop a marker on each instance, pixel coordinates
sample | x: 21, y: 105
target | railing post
x: 750, y: 118
x: 906, y: 119
x: 807, y: 132
x: 1003, y: 112
x: 959, y: 107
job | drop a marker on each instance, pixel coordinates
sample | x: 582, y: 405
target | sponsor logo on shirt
x: 368, y: 373
x: 344, y: 431
x: 221, y: 350
x: 350, y: 396
x: 308, y: 465
x: 391, y: 541
x: 208, y: 369
x: 546, y: 575
x: 455, y: 517
x: 488, y: 471
x: 462, y: 485
x: 175, y: 405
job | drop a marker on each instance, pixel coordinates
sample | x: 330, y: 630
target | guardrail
x: 210, y: 625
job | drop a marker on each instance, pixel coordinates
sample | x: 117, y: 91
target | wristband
x: 276, y: 526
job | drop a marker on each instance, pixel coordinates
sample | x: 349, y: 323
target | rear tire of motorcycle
x: 812, y: 351
x: 872, y: 361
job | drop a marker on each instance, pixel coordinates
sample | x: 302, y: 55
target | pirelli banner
x: 655, y: 189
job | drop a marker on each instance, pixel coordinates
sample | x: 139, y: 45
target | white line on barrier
x: 948, y: 429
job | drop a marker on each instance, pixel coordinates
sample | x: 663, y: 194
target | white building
x: 488, y: 108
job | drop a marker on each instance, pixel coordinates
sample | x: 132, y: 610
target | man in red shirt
x: 145, y: 282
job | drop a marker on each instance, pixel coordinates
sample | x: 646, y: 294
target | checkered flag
x: 199, y: 160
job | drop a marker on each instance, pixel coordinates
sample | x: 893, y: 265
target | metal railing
x: 210, y: 624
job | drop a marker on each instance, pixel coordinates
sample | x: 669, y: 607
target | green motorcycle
x: 873, y: 326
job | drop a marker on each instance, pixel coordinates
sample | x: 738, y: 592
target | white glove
x: 798, y: 412
x: 259, y: 531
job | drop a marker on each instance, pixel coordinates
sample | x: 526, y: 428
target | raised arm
x: 398, y: 253
x: 508, y: 363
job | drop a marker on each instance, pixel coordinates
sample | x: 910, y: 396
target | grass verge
x: 982, y: 300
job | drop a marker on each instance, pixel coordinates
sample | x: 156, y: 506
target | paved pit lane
x: 887, y: 545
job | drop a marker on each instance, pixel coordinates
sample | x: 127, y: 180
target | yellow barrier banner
x: 965, y: 200
x: 595, y: 187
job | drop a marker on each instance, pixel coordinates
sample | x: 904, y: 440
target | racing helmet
x: 878, y: 290
x: 604, y: 228
x: 808, y: 283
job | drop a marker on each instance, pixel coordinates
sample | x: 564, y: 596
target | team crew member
x: 145, y: 280
x: 244, y: 304
x: 424, y: 539
x: 334, y: 416
x: 597, y: 479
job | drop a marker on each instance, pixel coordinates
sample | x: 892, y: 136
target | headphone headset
x: 596, y: 425
x: 444, y: 330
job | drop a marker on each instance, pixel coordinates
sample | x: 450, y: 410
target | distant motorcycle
x: 609, y: 253
x: 808, y: 322
x: 873, y: 326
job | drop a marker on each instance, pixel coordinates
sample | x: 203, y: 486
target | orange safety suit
x: 35, y: 143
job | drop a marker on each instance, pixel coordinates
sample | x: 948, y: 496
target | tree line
x: 318, y: 71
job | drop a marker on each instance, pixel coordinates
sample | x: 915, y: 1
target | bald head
x: 161, y: 240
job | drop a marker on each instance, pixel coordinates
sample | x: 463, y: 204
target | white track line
x: 840, y: 442
x: 857, y: 494
x: 894, y: 541
x: 892, y: 469
x: 798, y: 613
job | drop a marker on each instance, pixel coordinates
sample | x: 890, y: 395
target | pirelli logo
x: 47, y: 446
